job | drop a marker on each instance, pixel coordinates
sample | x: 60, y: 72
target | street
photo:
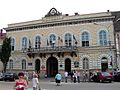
x: 50, y: 85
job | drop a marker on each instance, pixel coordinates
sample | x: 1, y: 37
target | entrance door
x: 37, y: 65
x: 68, y: 65
x: 52, y: 67
x: 104, y: 64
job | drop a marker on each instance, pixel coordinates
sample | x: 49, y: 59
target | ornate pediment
x: 53, y: 12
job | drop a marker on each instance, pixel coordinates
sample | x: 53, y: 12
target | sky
x: 14, y: 11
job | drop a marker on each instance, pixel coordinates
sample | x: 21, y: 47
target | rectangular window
x: 85, y: 43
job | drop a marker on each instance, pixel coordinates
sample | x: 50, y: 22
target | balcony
x: 51, y: 49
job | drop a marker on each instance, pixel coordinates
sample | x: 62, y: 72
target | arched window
x: 68, y: 39
x: 102, y: 38
x: 52, y: 40
x: 11, y: 64
x: 24, y: 42
x: 23, y: 64
x: 12, y: 44
x: 85, y: 63
x: 37, y: 42
x: 85, y: 39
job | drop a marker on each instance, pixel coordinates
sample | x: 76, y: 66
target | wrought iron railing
x: 51, y: 49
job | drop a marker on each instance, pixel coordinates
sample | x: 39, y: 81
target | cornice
x: 60, y: 23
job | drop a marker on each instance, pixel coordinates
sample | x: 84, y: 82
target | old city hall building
x: 58, y: 43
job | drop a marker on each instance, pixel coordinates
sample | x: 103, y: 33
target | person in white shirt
x: 75, y: 77
x: 66, y: 76
x: 35, y: 82
x: 78, y: 76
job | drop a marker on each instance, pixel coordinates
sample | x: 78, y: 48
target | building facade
x: 117, y: 36
x: 59, y: 42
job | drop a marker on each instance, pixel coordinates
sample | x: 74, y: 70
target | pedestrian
x: 21, y: 83
x: 75, y: 77
x: 90, y: 76
x: 87, y: 75
x: 78, y: 76
x: 58, y: 78
x: 35, y: 82
x: 84, y: 76
x: 66, y: 76
x: 71, y: 74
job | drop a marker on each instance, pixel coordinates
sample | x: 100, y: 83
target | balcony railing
x: 51, y: 49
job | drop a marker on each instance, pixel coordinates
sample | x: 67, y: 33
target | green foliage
x: 5, y: 52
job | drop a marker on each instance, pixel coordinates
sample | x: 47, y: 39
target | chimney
x: 108, y: 10
x: 66, y: 14
x: 76, y: 13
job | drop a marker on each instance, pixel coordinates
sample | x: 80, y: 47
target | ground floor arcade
x: 50, y: 64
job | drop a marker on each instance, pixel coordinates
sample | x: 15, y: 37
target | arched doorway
x: 68, y: 65
x: 37, y: 65
x: 52, y: 67
x: 104, y: 64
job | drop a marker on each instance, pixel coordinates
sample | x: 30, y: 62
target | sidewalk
x: 47, y: 79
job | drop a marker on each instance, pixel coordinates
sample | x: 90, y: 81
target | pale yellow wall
x: 75, y: 30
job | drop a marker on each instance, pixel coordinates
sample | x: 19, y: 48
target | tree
x: 5, y: 52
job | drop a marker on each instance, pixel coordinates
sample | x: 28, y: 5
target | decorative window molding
x: 23, y: 64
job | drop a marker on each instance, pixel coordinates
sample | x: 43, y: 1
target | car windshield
x: 118, y: 73
x: 8, y: 73
x: 105, y: 73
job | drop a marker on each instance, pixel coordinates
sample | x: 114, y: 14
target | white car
x: 1, y: 76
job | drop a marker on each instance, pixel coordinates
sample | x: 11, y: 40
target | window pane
x: 68, y: 39
x: 12, y: 44
x: 37, y: 42
x: 85, y: 39
x: 52, y: 40
x: 23, y: 64
x: 103, y: 38
x: 24, y: 42
x: 11, y: 64
x: 85, y: 63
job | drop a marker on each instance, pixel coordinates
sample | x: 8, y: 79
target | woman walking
x: 21, y: 83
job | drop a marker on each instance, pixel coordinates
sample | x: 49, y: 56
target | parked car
x: 10, y: 76
x: 1, y: 76
x: 116, y: 77
x: 102, y: 77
